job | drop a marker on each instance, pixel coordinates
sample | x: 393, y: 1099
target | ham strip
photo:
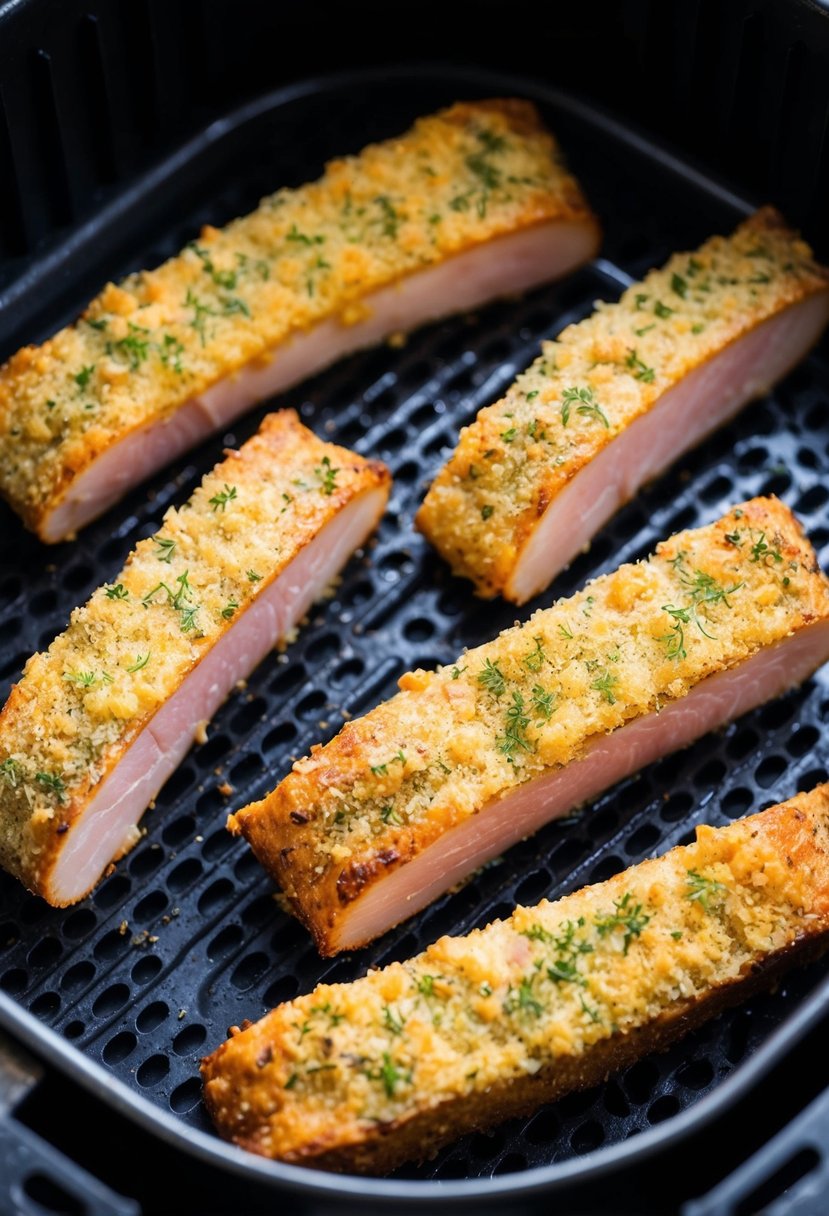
x: 478, y: 1029
x: 101, y: 720
x: 472, y: 204
x: 617, y: 398
x: 465, y: 761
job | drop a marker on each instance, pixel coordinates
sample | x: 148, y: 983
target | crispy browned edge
x: 287, y: 847
x: 385, y: 1146
x: 279, y: 432
x: 489, y: 585
x: 524, y: 119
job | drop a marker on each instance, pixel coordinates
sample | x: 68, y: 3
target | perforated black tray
x: 185, y: 938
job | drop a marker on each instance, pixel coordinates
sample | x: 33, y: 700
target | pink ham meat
x: 256, y: 549
x: 464, y: 762
x: 472, y: 204
x: 616, y: 398
x: 509, y: 266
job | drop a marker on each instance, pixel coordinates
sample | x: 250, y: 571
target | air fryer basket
x: 185, y: 938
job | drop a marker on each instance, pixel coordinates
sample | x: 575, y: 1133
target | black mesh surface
x: 185, y: 938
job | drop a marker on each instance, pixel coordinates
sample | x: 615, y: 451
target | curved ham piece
x: 483, y: 1028
x: 464, y: 762
x: 472, y: 204
x: 617, y: 398
x: 101, y: 719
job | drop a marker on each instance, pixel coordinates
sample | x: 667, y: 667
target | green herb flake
x: 166, y: 548
x: 627, y: 916
x: 536, y: 658
x: 134, y: 348
x: 762, y: 551
x: 220, y: 500
x: 426, y: 985
x: 141, y: 660
x: 392, y: 1019
x: 253, y: 577
x: 521, y: 999
x: 605, y: 684
x: 10, y: 772
x: 679, y: 285
x: 53, y: 783
x: 229, y: 609
x: 492, y: 679
x: 514, y: 738
x: 585, y: 403
x: 703, y: 890
x: 640, y: 370
x: 83, y: 377
x: 487, y: 511
x: 390, y: 1074
x: 117, y: 592
x: 327, y: 476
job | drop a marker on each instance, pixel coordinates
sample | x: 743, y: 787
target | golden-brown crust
x: 354, y: 810
x: 701, y: 929
x: 520, y: 454
x: 81, y: 704
x: 458, y: 179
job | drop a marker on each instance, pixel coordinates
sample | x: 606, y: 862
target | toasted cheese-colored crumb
x: 533, y: 700
x: 459, y: 178
x: 597, y: 378
x: 336, y: 1077
x: 82, y: 702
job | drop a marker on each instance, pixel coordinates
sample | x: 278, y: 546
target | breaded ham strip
x: 465, y: 761
x: 617, y: 398
x: 101, y: 719
x: 479, y: 1029
x: 472, y: 203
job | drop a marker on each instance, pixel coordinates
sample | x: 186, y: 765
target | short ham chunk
x: 101, y: 719
x: 465, y: 761
x: 617, y: 398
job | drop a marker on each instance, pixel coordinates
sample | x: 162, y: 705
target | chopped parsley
x: 83, y: 377
x: 522, y: 999
x: 543, y: 703
x: 492, y: 678
x: 627, y: 916
x: 703, y: 890
x: 514, y: 738
x: 641, y: 371
x: 229, y: 609
x: 134, y: 348
x: 327, y: 476
x: 166, y: 548
x: 585, y: 403
x: 117, y: 592
x: 220, y: 500
x: 253, y: 577
x: 536, y: 658
x: 679, y: 285
x: 10, y: 771
x: 380, y: 770
x: 392, y: 1020
x: 605, y: 685
x: 141, y: 660
x: 389, y: 219
x: 487, y: 511
x: 390, y: 1074
x: 53, y: 783
x: 761, y: 551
